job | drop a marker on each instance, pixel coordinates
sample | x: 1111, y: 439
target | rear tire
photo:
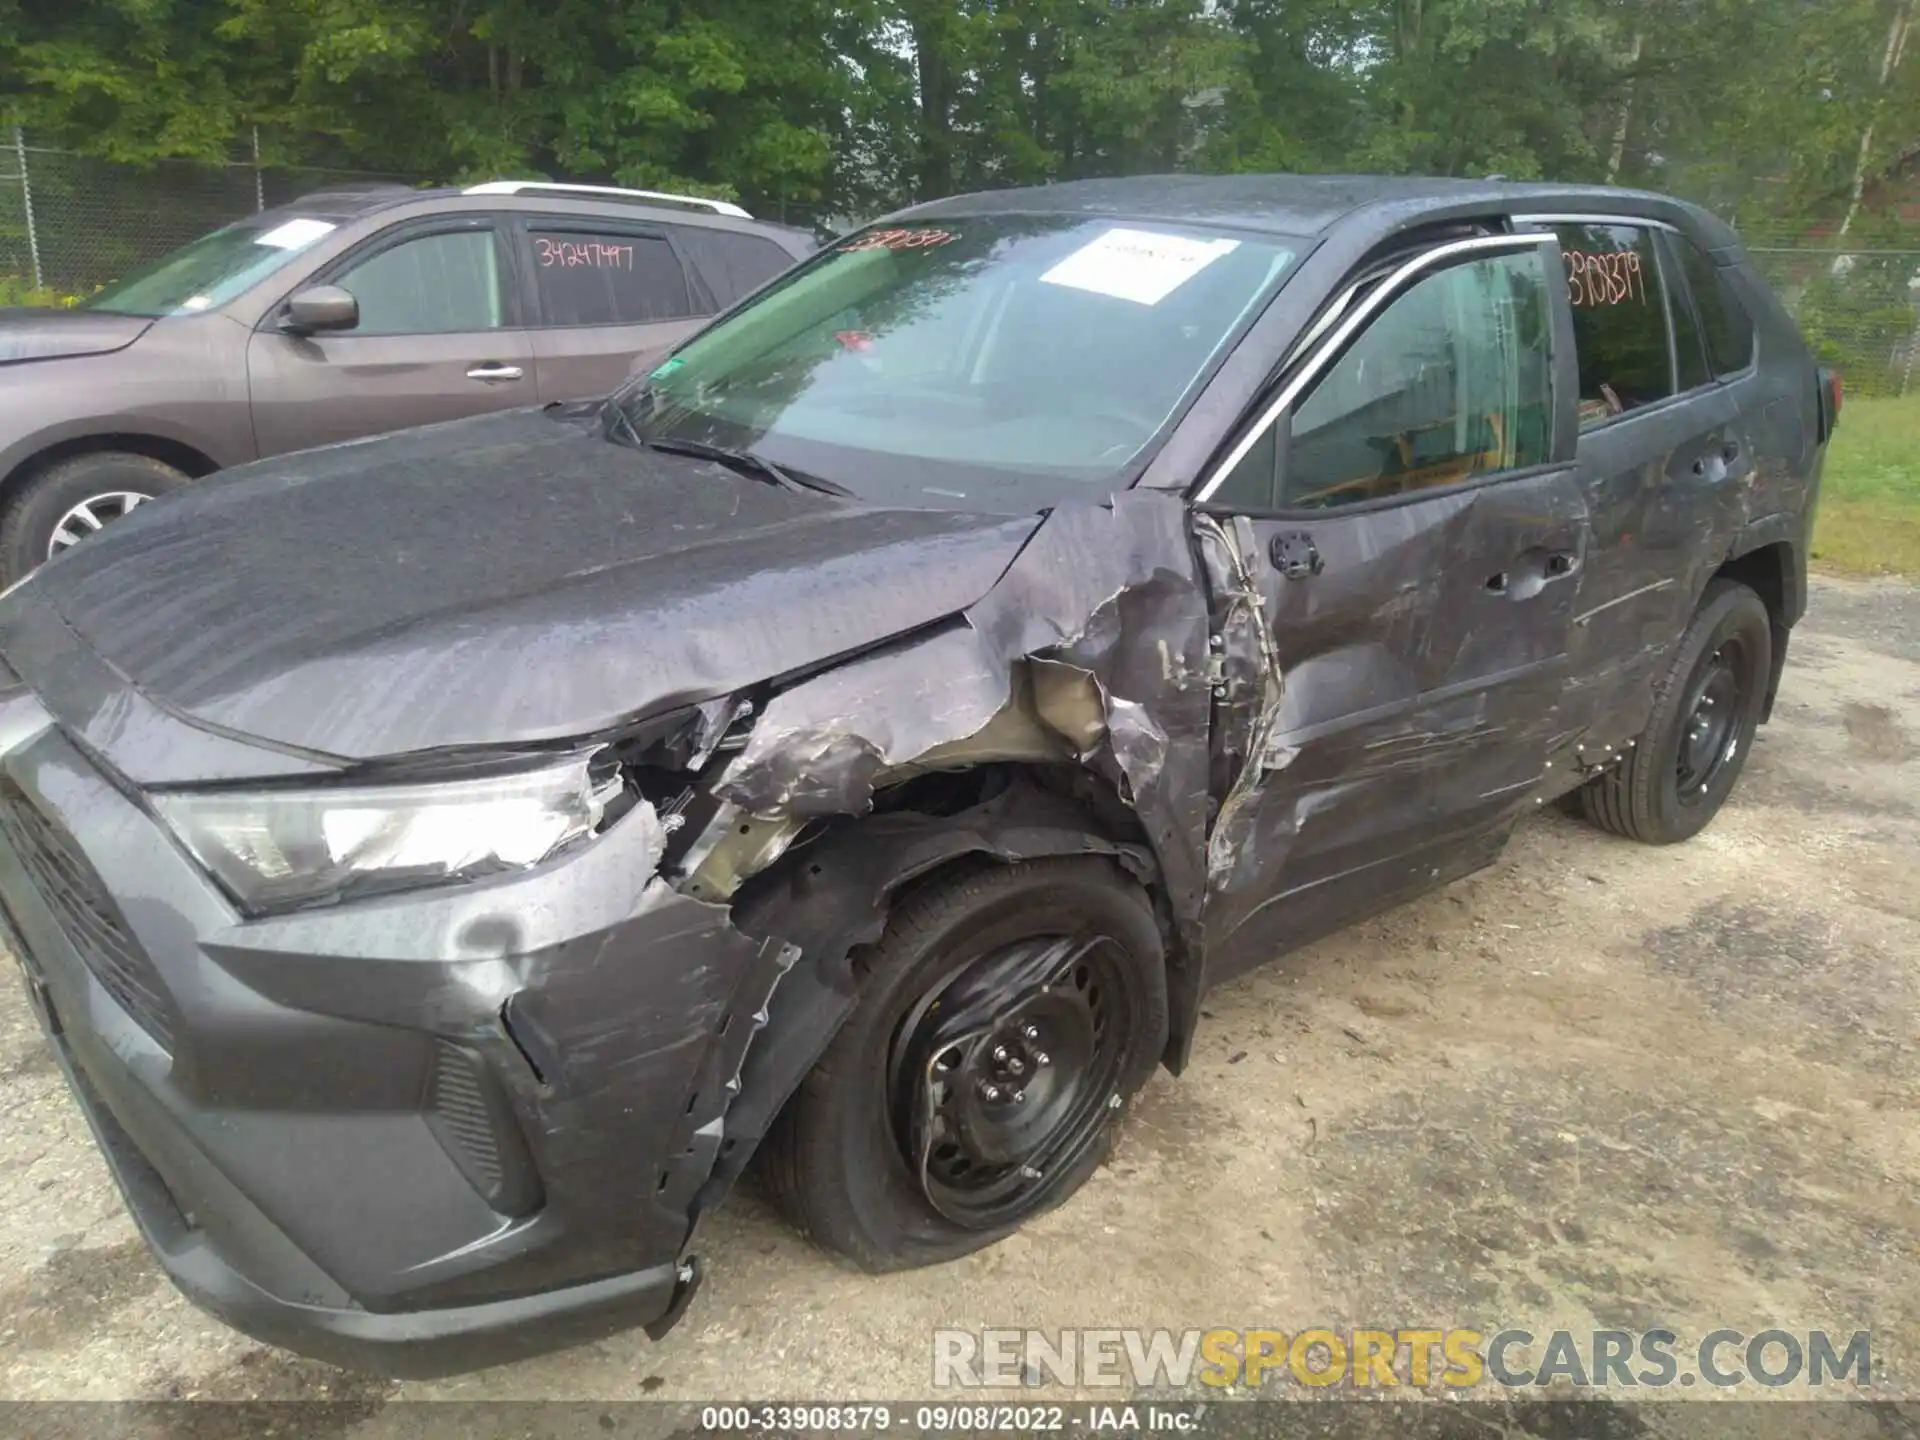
x: 1681, y: 770
x: 874, y: 1158
x: 54, y: 494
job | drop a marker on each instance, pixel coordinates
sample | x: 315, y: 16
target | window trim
x: 392, y: 237
x: 1644, y: 222
x: 1353, y: 318
x: 560, y: 222
x: 1746, y: 311
x: 1673, y: 275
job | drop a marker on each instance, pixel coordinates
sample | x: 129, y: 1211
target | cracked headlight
x: 272, y: 849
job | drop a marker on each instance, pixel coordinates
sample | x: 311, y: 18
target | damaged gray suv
x: 442, y: 862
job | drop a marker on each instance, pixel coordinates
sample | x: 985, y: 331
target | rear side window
x: 431, y: 285
x: 1452, y: 380
x: 607, y: 277
x: 1619, y: 318
x: 1729, y: 328
x: 732, y: 264
x: 1689, y: 345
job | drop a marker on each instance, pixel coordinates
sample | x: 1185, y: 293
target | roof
x: 1300, y: 205
x: 351, y: 202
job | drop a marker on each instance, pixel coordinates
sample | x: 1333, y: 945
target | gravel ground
x: 1598, y: 1085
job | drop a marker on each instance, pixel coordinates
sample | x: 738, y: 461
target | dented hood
x: 511, y: 579
x: 58, y: 334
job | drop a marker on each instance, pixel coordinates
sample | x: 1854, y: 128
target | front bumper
x: 416, y: 1135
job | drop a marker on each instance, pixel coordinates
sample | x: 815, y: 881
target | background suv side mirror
x: 320, y: 307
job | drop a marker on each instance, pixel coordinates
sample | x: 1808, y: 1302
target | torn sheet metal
x: 1091, y: 649
x: 1248, y: 684
x: 1114, y: 590
x: 1104, y: 594
x: 819, y: 746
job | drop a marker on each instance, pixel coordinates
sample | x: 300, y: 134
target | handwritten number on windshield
x: 903, y: 240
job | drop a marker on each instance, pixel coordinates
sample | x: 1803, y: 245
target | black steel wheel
x: 1710, y: 732
x: 1004, y: 1019
x: 1706, y: 707
x: 1000, y: 1080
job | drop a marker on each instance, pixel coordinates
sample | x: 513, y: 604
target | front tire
x: 71, y: 498
x: 1004, y: 1018
x: 1705, y: 711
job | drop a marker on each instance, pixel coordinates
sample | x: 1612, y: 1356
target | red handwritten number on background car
x: 596, y: 253
x: 1605, y: 279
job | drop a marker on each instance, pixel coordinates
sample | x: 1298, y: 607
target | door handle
x: 488, y: 370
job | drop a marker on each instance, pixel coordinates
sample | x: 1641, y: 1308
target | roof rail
x: 696, y: 202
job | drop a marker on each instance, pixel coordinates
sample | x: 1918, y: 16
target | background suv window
x: 1619, y: 319
x: 1453, y: 379
x: 432, y: 285
x: 608, y: 277
x: 732, y: 264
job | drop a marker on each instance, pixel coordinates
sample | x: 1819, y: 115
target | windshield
x: 213, y: 269
x: 1006, y: 360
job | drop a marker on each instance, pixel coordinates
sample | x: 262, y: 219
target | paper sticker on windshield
x: 295, y: 233
x: 1137, y: 265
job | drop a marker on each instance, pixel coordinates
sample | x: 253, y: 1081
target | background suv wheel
x: 71, y: 499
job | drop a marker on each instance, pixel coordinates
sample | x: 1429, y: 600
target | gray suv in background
x: 349, y: 313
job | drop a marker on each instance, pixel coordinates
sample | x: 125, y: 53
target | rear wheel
x: 72, y: 499
x: 1004, y: 1018
x: 1705, y: 711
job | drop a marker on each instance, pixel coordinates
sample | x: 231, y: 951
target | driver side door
x: 439, y: 339
x: 1394, y: 548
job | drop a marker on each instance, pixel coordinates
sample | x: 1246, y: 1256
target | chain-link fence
x: 70, y: 223
x: 1859, y: 309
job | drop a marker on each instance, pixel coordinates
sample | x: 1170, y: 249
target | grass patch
x: 1869, y: 518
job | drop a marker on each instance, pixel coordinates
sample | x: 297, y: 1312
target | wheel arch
x: 191, y: 461
x: 1773, y: 570
x: 833, y: 893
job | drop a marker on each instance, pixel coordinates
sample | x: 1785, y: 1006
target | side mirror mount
x: 320, y: 307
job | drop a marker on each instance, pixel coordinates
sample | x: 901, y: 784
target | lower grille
x: 461, y: 1107
x: 471, y: 1118
x: 87, y: 915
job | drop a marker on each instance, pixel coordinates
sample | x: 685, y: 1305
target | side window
x: 431, y: 285
x: 608, y: 277
x: 1689, y: 345
x: 1729, y: 328
x: 731, y: 263
x: 1619, y: 318
x: 1453, y: 379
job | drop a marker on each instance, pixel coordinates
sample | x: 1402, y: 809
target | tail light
x: 1829, y: 401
